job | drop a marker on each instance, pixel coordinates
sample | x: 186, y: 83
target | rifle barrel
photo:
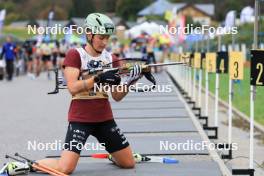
x: 166, y: 64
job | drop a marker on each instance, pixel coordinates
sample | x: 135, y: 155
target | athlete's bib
x: 105, y: 58
x: 46, y: 50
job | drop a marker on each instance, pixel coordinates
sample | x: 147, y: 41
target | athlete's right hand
x: 109, y: 77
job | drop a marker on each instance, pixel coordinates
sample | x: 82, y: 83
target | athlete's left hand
x: 134, y: 74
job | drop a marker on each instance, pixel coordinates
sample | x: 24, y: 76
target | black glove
x: 109, y: 77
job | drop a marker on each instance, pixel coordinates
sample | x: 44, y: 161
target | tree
x: 80, y: 8
x: 128, y: 9
x: 103, y: 6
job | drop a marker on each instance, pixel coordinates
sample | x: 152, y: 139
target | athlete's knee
x: 127, y: 164
x: 67, y: 167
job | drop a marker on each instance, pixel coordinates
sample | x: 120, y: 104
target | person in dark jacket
x: 10, y: 55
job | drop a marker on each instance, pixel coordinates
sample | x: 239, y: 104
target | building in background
x: 200, y: 13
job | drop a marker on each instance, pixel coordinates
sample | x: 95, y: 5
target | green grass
x: 241, y: 98
x: 22, y: 33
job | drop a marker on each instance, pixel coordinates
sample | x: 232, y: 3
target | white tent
x: 247, y: 15
x: 148, y: 27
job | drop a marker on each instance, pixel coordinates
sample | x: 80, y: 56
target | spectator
x: 10, y: 56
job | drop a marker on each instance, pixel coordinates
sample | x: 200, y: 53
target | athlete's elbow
x: 73, y: 91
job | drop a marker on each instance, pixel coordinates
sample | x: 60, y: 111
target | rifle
x: 96, y: 68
